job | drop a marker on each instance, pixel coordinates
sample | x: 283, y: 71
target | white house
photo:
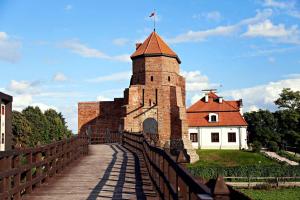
x: 217, y: 124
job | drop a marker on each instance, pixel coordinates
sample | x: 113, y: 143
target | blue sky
x: 57, y: 54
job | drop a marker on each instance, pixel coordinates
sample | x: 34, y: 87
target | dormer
x: 213, y: 117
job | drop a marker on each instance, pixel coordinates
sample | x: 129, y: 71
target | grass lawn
x: 231, y: 158
x: 273, y: 194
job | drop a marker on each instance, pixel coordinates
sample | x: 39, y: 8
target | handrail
x: 171, y: 180
x: 23, y: 170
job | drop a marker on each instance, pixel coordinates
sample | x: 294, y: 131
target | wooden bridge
x: 127, y: 168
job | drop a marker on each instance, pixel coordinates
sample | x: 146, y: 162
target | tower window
x: 169, y: 78
x: 151, y: 78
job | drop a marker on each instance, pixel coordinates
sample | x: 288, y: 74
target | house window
x: 212, y: 117
x: 214, y: 137
x: 2, y: 110
x: 194, y: 137
x: 231, y: 137
x: 151, y: 78
x: 169, y: 78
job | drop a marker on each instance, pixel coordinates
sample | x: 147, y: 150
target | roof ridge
x: 158, y: 42
x: 230, y: 105
x: 147, y: 45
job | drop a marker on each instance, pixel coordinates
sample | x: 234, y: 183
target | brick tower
x: 155, y: 100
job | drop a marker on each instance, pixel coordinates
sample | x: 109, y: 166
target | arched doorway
x: 150, y: 129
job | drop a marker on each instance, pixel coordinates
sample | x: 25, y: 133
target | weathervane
x: 153, y: 14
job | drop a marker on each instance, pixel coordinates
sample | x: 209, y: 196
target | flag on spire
x: 152, y: 14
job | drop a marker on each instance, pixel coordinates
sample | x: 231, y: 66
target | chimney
x: 220, y: 99
x: 206, y: 98
x: 137, y: 45
x: 241, y: 106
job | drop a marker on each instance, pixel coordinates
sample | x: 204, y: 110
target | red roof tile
x: 228, y: 112
x: 154, y: 46
x: 225, y: 119
x: 213, y: 105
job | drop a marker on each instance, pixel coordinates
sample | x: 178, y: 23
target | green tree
x: 39, y: 125
x: 262, y: 126
x: 289, y: 99
x: 289, y: 116
x: 58, y: 129
x: 21, y: 130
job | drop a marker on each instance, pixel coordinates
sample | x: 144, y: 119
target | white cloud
x: 81, y: 49
x: 59, y: 77
x: 23, y: 87
x: 195, y: 81
x: 119, y: 76
x: 120, y: 41
x: 212, y: 16
x: 279, y: 4
x: 271, y: 59
x: 68, y: 7
x: 268, y: 29
x: 43, y: 106
x: 198, y: 36
x: 263, y: 96
x: 103, y: 98
x: 9, y: 48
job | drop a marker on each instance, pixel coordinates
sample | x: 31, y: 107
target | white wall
x: 204, y: 137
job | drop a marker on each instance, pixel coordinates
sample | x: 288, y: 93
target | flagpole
x: 154, y: 19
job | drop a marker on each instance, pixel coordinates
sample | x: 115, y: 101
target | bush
x: 256, y: 146
x: 273, y: 146
x: 245, y: 171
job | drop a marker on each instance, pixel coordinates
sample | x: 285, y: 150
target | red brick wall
x: 100, y: 116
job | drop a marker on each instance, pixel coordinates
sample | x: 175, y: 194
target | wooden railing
x: 171, y: 180
x: 23, y: 170
x: 102, y: 138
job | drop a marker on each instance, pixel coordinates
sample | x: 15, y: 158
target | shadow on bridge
x: 118, y: 175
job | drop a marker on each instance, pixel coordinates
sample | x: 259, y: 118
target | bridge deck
x: 109, y: 172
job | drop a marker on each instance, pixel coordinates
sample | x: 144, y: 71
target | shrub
x: 256, y: 146
x: 245, y: 171
x: 273, y: 146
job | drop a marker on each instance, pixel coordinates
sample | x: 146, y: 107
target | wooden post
x: 28, y: 190
x: 17, y: 177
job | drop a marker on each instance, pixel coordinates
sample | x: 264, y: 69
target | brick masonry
x: 156, y: 91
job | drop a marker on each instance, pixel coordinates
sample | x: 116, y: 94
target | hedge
x: 246, y: 171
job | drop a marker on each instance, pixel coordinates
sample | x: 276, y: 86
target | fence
x: 23, y: 170
x: 170, y: 179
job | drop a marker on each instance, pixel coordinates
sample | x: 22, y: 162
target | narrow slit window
x: 169, y: 78
x: 151, y: 78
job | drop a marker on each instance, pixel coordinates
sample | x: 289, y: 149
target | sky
x: 54, y: 54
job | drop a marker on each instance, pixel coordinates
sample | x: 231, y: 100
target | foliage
x: 245, y: 171
x: 256, y: 146
x: 273, y: 194
x: 21, y: 129
x: 229, y: 158
x: 290, y: 156
x: 273, y: 146
x: 32, y: 127
x: 280, y: 128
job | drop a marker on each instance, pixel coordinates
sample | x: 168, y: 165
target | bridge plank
x: 108, y: 172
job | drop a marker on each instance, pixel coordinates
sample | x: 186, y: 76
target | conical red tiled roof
x: 154, y: 46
